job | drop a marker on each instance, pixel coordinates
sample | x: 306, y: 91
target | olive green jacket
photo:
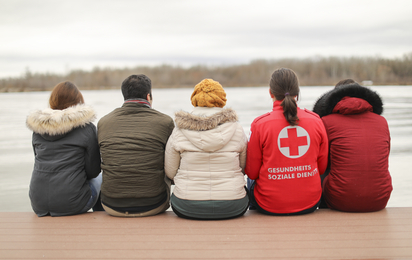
x: 132, y: 142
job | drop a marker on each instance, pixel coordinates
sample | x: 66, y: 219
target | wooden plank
x: 325, y: 234
x: 301, y: 253
x: 210, y: 245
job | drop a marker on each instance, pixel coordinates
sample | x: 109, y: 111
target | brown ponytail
x: 284, y: 85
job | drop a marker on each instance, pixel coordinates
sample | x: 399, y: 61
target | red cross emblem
x: 293, y: 141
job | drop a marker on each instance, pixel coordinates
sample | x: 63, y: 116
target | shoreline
x: 190, y: 87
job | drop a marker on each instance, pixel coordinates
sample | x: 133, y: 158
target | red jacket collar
x: 276, y: 105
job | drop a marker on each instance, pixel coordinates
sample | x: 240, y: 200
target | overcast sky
x: 58, y: 36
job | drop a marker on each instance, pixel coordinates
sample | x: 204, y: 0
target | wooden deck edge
x: 324, y: 234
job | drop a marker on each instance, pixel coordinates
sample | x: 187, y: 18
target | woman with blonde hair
x: 205, y: 156
x: 65, y: 178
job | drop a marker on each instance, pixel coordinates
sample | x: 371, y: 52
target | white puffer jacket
x: 206, y: 155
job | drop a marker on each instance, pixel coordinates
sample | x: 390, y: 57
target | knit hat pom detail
x: 208, y: 93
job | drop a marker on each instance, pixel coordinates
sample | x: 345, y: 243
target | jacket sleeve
x: 92, y: 155
x: 172, y: 158
x: 323, y: 150
x: 242, y: 154
x: 254, y: 154
x: 32, y: 144
x: 170, y: 128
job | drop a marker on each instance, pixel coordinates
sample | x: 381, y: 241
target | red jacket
x: 286, y: 161
x: 359, y: 180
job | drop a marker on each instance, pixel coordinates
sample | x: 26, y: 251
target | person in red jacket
x: 359, y: 139
x: 287, y: 152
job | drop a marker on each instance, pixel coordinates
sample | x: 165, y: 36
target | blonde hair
x: 208, y: 93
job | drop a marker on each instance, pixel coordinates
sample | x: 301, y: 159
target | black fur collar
x: 327, y: 102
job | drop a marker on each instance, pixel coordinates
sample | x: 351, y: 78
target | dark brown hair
x: 284, y: 85
x: 64, y: 95
x: 345, y: 82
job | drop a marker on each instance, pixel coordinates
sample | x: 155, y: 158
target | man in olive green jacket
x: 132, y: 141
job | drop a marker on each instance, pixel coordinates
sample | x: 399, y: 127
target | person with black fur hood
x: 359, y: 145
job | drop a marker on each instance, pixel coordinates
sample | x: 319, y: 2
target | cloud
x: 47, y: 34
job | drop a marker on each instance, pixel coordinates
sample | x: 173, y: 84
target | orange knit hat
x: 208, y: 93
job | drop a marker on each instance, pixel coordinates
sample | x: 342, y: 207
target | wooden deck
x: 325, y: 234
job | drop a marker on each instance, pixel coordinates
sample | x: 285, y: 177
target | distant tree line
x: 317, y: 71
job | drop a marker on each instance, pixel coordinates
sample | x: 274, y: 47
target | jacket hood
x: 327, y: 102
x: 351, y: 106
x: 209, y: 129
x: 204, y: 118
x: 51, y: 122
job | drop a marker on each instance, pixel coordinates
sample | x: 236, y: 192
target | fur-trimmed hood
x: 207, y: 128
x: 206, y: 155
x: 59, y: 122
x: 327, y: 102
x: 199, y: 121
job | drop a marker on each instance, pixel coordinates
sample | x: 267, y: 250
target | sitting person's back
x: 205, y: 156
x: 66, y: 175
x: 359, y: 180
x: 287, y: 152
x: 132, y: 142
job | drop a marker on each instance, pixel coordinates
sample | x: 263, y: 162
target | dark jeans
x: 210, y: 210
x: 253, y: 203
x: 138, y: 209
x: 178, y: 213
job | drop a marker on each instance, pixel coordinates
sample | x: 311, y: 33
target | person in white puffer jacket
x: 205, y: 157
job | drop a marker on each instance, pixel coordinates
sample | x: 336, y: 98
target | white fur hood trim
x: 209, y: 129
x: 204, y: 118
x: 58, y: 122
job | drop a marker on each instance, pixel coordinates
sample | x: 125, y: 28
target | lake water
x: 16, y: 154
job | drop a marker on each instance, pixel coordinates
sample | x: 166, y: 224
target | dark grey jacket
x: 66, y: 156
x: 132, y: 142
